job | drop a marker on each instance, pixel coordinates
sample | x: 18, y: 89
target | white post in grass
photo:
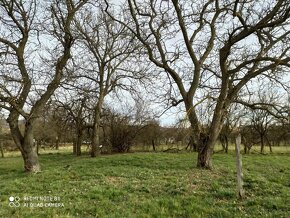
x: 239, y: 168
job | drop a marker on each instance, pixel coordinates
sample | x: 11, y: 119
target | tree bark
x: 30, y: 157
x: 192, y: 144
x: 37, y: 145
x: 25, y: 142
x: 75, y: 146
x: 245, y: 149
x: 29, y: 151
x: 224, y: 141
x: 262, y: 144
x: 197, y: 137
x: 204, y: 159
x: 96, y: 139
x: 200, y: 138
x: 270, y: 145
x: 79, y: 141
x: 2, y: 150
x: 96, y: 151
x: 153, y: 145
x: 227, y: 145
x: 208, y: 139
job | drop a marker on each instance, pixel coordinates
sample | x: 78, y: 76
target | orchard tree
x: 261, y: 121
x: 272, y: 112
x: 20, y: 29
x: 106, y: 47
x: 78, y: 113
x: 212, y: 50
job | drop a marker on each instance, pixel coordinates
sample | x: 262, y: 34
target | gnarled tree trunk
x: 25, y: 143
x: 206, y: 138
x: 29, y: 152
x: 199, y: 138
x: 204, y: 152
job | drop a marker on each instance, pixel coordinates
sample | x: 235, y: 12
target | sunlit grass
x: 148, y: 185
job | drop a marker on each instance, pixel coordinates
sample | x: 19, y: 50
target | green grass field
x: 146, y: 185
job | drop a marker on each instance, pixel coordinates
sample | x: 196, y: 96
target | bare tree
x: 107, y: 46
x: 19, y: 24
x: 211, y: 50
x: 78, y: 114
x: 232, y: 122
x: 261, y: 122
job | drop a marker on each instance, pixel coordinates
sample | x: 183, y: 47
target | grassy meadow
x: 145, y: 185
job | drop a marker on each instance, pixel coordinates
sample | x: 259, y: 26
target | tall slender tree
x: 108, y: 47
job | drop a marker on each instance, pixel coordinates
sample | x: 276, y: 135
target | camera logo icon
x: 14, y: 201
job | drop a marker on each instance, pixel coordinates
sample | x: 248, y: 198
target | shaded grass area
x: 148, y: 185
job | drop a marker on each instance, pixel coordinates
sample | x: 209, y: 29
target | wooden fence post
x: 239, y: 168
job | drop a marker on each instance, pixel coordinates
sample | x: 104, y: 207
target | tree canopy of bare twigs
x: 212, y: 50
x: 20, y: 27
